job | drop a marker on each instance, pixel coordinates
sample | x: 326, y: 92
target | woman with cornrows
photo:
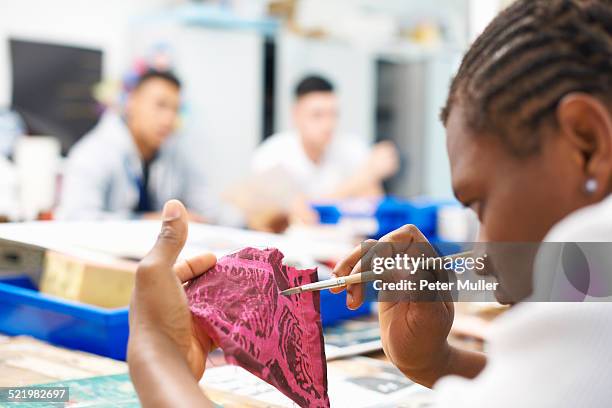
x: 529, y: 137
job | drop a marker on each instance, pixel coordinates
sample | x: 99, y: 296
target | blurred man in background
x: 130, y: 164
x: 321, y: 163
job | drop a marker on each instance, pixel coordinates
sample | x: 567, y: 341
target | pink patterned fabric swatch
x: 275, y: 337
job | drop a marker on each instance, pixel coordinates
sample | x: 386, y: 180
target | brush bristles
x: 291, y: 291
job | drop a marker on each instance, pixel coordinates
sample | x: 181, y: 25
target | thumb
x: 172, y: 236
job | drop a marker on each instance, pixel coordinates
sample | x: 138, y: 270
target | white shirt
x: 544, y: 355
x: 284, y: 152
x: 103, y: 170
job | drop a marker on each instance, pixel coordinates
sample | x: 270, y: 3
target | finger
x: 374, y: 249
x: 189, y: 269
x: 412, y: 240
x: 405, y: 234
x: 170, y: 240
x: 409, y: 238
x: 354, y: 293
x: 346, y: 265
x: 406, y: 240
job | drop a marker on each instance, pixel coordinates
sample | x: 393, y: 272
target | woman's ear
x: 586, y: 124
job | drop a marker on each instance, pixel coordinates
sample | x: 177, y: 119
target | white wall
x: 437, y: 167
x: 97, y: 24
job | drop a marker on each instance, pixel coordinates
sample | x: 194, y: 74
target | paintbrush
x: 363, y: 277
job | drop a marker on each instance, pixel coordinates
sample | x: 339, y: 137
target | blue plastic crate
x: 328, y: 214
x: 390, y: 214
x: 334, y: 310
x: 25, y: 311
x: 393, y: 212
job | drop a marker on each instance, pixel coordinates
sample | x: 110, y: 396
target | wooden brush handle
x: 362, y: 277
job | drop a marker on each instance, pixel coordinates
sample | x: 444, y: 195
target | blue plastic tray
x: 334, y: 310
x: 391, y: 213
x: 25, y: 311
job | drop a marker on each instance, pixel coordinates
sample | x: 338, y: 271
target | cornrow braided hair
x: 530, y: 56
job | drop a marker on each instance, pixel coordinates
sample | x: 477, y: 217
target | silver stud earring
x: 591, y: 186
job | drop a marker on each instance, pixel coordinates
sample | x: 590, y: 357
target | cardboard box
x: 105, y: 284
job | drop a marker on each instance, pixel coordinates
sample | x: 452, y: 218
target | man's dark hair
x: 155, y: 74
x: 313, y: 83
x: 533, y: 54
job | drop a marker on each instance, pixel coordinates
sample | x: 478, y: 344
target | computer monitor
x: 53, y: 88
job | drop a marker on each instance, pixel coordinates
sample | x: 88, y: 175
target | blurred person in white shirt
x: 321, y: 163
